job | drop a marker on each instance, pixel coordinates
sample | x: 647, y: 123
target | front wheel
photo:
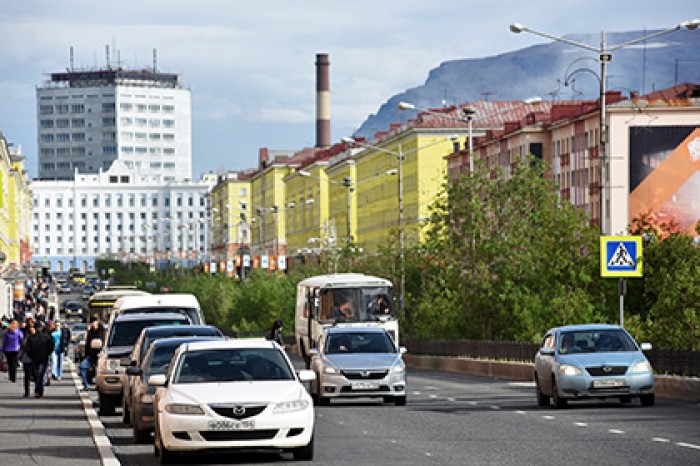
x: 542, y: 399
x: 106, y: 403
x: 305, y: 453
x: 648, y: 400
x: 400, y: 400
x: 559, y: 402
x: 126, y: 412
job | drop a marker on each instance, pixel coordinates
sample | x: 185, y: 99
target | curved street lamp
x: 604, y: 56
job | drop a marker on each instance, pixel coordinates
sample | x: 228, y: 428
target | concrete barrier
x: 667, y: 386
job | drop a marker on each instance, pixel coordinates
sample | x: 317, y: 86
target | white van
x: 347, y: 299
x: 179, y: 303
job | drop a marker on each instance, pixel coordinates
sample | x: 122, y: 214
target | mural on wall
x: 665, y: 175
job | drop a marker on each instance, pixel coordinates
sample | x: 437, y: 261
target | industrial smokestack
x: 323, y: 101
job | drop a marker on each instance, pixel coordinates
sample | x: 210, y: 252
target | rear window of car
x: 125, y: 333
x: 183, y: 332
x: 232, y: 365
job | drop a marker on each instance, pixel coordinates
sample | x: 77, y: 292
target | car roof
x: 231, y: 344
x: 156, y: 300
x: 159, y: 316
x: 585, y: 327
x: 341, y: 329
x: 190, y: 329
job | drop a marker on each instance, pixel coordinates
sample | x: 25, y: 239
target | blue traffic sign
x: 621, y: 256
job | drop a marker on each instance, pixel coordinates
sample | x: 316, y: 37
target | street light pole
x: 402, y: 254
x: 604, y: 56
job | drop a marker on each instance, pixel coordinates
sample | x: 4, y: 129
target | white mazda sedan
x: 233, y: 394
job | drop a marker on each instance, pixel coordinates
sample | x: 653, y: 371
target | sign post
x: 621, y: 257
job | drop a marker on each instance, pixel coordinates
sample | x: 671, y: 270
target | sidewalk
x: 53, y: 430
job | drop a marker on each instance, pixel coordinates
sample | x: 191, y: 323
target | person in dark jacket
x: 11, y: 343
x: 95, y: 332
x: 65, y: 339
x: 275, y: 332
x: 39, y: 347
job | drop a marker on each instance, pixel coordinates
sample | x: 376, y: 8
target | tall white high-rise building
x: 87, y: 119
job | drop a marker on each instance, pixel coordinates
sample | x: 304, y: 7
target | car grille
x: 224, y: 435
x: 602, y: 371
x: 364, y: 375
x: 382, y: 388
x: 237, y: 411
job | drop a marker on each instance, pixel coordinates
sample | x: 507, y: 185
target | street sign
x: 621, y: 256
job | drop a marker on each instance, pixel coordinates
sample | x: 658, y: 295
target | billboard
x: 665, y: 175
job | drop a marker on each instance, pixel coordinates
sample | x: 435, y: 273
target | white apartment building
x: 87, y: 119
x: 120, y: 214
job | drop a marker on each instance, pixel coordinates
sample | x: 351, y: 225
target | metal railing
x: 664, y: 361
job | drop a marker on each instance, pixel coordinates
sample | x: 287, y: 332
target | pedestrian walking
x: 95, y: 332
x: 39, y: 347
x: 11, y: 344
x: 275, y: 332
x: 58, y: 351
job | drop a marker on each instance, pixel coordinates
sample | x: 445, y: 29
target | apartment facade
x: 88, y: 119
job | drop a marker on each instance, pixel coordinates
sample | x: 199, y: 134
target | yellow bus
x: 102, y: 302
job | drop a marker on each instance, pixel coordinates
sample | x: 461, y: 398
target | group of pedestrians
x: 40, y: 347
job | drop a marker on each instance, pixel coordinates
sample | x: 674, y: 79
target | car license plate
x: 365, y: 386
x: 231, y: 425
x: 608, y: 383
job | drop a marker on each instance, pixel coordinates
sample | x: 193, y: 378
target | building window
x: 168, y: 137
x: 47, y: 138
x: 141, y: 122
x: 141, y: 108
x: 140, y: 136
x: 77, y: 151
x: 63, y: 151
x: 168, y: 151
x: 141, y: 150
x: 63, y: 137
x: 47, y: 152
x: 108, y: 107
x: 168, y: 109
x: 108, y: 121
x: 127, y: 150
x: 79, y: 137
x: 78, y: 122
x: 126, y: 121
x: 125, y: 106
x: 78, y: 108
x: 169, y: 123
x: 46, y: 124
x: 154, y: 136
x: 62, y: 109
x: 109, y: 150
x: 46, y: 110
x: 154, y: 108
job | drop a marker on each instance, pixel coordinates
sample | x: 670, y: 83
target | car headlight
x: 183, y: 408
x: 290, y: 406
x: 330, y: 370
x: 398, y: 368
x: 568, y: 369
x: 641, y: 366
x: 113, y: 364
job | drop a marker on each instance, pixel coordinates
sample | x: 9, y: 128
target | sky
x: 250, y: 64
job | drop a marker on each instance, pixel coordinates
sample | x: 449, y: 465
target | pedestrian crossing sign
x: 621, y: 256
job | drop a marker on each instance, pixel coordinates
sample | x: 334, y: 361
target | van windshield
x: 192, y: 313
x: 362, y: 304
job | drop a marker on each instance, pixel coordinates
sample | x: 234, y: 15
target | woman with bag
x: 11, y: 343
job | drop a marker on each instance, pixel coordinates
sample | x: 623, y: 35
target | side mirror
x: 157, y: 380
x: 314, y: 353
x: 95, y: 343
x: 544, y: 351
x: 133, y: 370
x: 645, y: 346
x: 306, y: 375
x: 402, y: 350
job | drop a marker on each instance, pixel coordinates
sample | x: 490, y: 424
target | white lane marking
x: 433, y: 396
x: 341, y: 422
x: 365, y: 432
x: 660, y: 440
x: 451, y: 399
x: 393, y: 441
x: 616, y: 431
x: 415, y: 392
x: 427, y: 453
x: 494, y: 407
x: 520, y: 412
x: 521, y: 384
x: 549, y: 418
x: 580, y: 424
x: 473, y: 403
x: 688, y: 445
x: 430, y: 387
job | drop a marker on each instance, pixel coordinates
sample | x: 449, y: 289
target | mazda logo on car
x: 239, y: 410
x: 607, y: 369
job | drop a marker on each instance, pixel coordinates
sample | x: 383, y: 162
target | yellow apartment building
x: 230, y: 226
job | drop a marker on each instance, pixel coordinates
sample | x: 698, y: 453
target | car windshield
x: 595, y: 341
x: 125, y: 333
x: 160, y: 359
x: 232, y: 365
x: 359, y: 342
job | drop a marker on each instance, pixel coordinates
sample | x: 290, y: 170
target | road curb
x: 667, y: 386
x: 99, y: 435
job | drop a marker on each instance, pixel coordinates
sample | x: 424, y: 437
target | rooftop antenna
x: 155, y: 60
x: 107, y: 55
x: 71, y: 58
x: 486, y: 95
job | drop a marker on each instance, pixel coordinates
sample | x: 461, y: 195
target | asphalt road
x: 457, y: 419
